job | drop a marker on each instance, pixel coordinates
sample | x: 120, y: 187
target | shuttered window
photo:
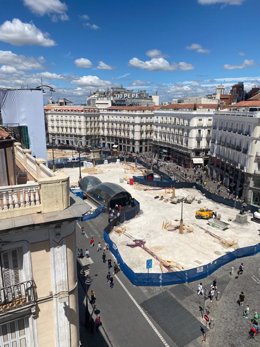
x: 15, y: 334
x: 11, y: 262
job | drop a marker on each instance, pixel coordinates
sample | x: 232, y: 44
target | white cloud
x: 246, y: 63
x: 224, y: 2
x: 8, y: 69
x: 123, y: 76
x: 154, y: 53
x: 50, y: 75
x: 91, y: 81
x: 198, y: 48
x: 54, y: 8
x: 19, y: 34
x: 84, y: 17
x: 92, y: 26
x: 20, y: 62
x: 83, y: 62
x: 159, y: 64
x: 185, y: 66
x: 103, y: 66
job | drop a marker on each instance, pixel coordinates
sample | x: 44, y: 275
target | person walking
x: 109, y: 263
x: 211, y: 293
x: 111, y: 282
x: 246, y: 312
x: 104, y: 256
x: 240, y: 269
x: 203, y: 332
x: 92, y: 242
x: 99, y: 247
x: 241, y: 299
x: 98, y: 322
x: 87, y: 253
x: 108, y: 276
x: 200, y: 289
x: 92, y: 297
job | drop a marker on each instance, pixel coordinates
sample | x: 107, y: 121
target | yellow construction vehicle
x: 204, y: 213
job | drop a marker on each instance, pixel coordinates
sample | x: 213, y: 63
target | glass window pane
x: 4, y: 332
x: 23, y: 342
x: 12, y: 329
x: 21, y: 327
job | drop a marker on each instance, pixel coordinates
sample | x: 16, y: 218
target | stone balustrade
x: 23, y: 195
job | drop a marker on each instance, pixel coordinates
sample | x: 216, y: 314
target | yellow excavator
x: 204, y: 213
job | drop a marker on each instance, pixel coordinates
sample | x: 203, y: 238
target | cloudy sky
x: 175, y: 47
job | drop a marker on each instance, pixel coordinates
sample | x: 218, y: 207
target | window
x: 11, y: 261
x: 15, y: 334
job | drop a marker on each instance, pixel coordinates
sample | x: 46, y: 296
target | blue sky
x: 175, y: 47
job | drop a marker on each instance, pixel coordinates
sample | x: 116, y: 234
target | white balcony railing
x: 24, y: 195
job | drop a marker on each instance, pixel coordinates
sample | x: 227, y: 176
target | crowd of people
x: 213, y: 292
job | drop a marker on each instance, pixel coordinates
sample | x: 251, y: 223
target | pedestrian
x: 201, y: 311
x: 92, y: 242
x: 81, y: 254
x: 108, y: 276
x: 214, y: 284
x: 99, y: 247
x: 82, y: 231
x: 109, y: 263
x: 92, y: 297
x: 104, y: 256
x: 211, y: 294
x: 246, y: 312
x: 116, y: 268
x: 256, y: 316
x: 98, y: 322
x: 111, y: 280
x: 240, y: 269
x: 203, y: 332
x: 241, y: 299
x: 200, y: 289
x: 87, y: 253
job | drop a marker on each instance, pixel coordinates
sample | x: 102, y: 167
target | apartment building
x: 235, y: 150
x: 38, y: 279
x: 129, y: 129
x: 183, y: 132
x: 72, y: 125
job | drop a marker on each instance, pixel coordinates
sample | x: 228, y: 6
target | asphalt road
x: 169, y: 316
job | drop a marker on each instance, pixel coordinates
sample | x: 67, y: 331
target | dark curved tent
x: 110, y: 194
x: 88, y: 182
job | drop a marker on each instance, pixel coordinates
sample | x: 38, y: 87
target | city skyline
x: 174, y: 48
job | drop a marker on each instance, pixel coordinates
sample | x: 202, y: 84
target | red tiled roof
x: 248, y: 103
x: 189, y: 106
x: 4, y: 135
x: 255, y: 97
x: 131, y: 108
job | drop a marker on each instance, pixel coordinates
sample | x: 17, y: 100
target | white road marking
x: 256, y: 279
x: 143, y: 314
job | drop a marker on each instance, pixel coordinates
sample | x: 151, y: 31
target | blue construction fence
x: 177, y: 184
x: 177, y: 277
x: 93, y: 213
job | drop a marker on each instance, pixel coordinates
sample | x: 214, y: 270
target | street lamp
x: 77, y: 147
x: 53, y: 159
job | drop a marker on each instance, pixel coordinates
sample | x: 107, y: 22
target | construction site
x: 179, y: 229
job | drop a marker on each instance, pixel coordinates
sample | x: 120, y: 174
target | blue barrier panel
x: 94, y: 214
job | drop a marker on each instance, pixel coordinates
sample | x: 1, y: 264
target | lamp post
x: 77, y: 147
x: 53, y: 159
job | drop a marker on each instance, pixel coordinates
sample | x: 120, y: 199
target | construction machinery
x: 204, y: 213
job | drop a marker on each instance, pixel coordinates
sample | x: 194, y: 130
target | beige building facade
x: 38, y: 279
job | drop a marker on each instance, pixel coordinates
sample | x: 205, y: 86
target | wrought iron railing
x: 17, y: 295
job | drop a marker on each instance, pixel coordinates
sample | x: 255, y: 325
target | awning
x: 197, y: 160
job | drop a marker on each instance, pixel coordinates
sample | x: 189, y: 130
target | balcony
x: 45, y: 190
x: 17, y: 296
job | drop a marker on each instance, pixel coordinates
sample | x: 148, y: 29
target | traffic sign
x: 149, y: 263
